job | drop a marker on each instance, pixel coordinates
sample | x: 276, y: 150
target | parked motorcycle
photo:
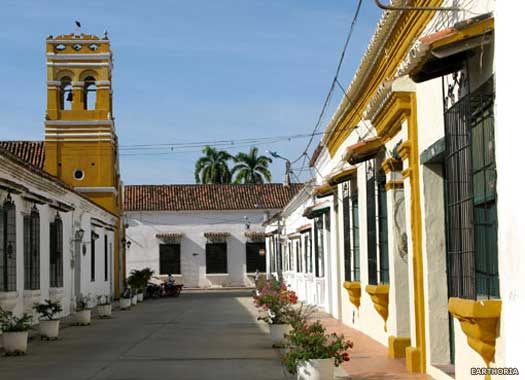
x: 171, y: 290
x: 153, y: 290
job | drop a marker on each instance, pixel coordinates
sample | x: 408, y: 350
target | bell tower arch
x: 80, y: 139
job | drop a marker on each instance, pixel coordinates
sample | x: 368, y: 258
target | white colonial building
x: 204, y: 235
x: 55, y: 243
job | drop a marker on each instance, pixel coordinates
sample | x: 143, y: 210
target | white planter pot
x: 140, y: 297
x: 277, y: 333
x: 125, y: 303
x: 104, y: 311
x: 15, y: 343
x: 134, y: 300
x: 316, y: 369
x: 49, y: 329
x: 83, y: 317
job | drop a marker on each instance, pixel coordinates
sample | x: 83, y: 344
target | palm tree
x: 251, y: 168
x: 213, y: 166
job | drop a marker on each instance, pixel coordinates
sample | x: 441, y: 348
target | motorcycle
x: 171, y: 290
x: 153, y: 290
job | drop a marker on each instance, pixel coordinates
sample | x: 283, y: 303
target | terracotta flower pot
x: 277, y: 332
x: 49, y: 329
x: 316, y: 369
x: 15, y: 343
x: 83, y: 317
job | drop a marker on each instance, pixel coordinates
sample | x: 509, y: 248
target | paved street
x: 200, y: 335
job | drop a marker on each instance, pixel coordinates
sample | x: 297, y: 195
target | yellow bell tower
x: 80, y: 138
x: 81, y: 146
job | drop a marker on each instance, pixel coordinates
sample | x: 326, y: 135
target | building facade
x: 204, y: 235
x: 55, y: 243
x: 406, y: 171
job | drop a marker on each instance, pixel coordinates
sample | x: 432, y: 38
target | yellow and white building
x: 60, y: 199
x: 406, y: 177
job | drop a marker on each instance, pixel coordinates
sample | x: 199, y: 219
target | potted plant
x: 125, y: 299
x: 276, y: 306
x: 14, y: 332
x: 313, y: 353
x: 133, y: 296
x: 48, y: 325
x: 83, y: 314
x: 104, y: 306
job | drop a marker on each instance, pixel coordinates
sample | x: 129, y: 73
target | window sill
x: 479, y: 321
x: 8, y: 300
x: 217, y: 274
x: 354, y: 292
x: 379, y: 296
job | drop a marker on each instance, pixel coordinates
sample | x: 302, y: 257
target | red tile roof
x: 31, y: 152
x: 207, y: 197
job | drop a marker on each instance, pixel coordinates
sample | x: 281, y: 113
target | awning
x: 256, y: 236
x: 170, y: 237
x: 323, y: 190
x: 304, y: 228
x: 445, y: 51
x: 316, y: 210
x: 341, y: 176
x: 217, y: 237
x: 363, y: 150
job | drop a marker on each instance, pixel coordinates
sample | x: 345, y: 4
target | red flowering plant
x: 311, y: 341
x: 275, y: 302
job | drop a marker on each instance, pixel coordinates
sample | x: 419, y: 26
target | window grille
x: 382, y: 217
x: 319, y: 246
x: 106, y: 258
x: 169, y: 256
x: 254, y: 261
x: 8, y: 246
x: 93, y: 252
x: 216, y: 258
x: 56, y: 257
x: 371, y: 225
x: 299, y: 255
x: 356, y: 267
x: 347, y: 231
x: 32, y: 250
x: 470, y: 183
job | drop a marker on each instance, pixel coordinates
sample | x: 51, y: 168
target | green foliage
x: 83, y: 302
x: 213, y: 166
x: 311, y: 341
x: 48, y: 309
x: 11, y: 323
x: 138, y: 279
x: 104, y: 300
x: 250, y: 168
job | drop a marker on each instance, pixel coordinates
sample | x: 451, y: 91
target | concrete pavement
x: 200, y: 335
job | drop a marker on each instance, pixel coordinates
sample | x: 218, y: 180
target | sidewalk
x: 368, y: 359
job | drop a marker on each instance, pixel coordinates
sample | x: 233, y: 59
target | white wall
x: 144, y: 249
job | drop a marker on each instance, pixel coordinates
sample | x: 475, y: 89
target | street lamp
x: 288, y: 167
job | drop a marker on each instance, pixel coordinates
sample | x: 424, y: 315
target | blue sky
x: 190, y: 71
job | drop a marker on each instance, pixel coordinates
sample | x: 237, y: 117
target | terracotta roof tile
x: 31, y: 152
x: 207, y: 197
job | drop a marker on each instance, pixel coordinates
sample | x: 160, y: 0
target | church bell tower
x: 80, y: 139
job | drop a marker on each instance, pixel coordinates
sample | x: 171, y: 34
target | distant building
x: 205, y: 235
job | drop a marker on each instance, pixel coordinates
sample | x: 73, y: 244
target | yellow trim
x: 397, y: 346
x: 394, y: 185
x: 479, y: 321
x: 391, y: 165
x: 409, y: 26
x: 354, y: 292
x: 415, y: 224
x: 475, y: 30
x: 379, y: 296
x: 413, y: 359
x: 388, y: 121
x: 404, y: 150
